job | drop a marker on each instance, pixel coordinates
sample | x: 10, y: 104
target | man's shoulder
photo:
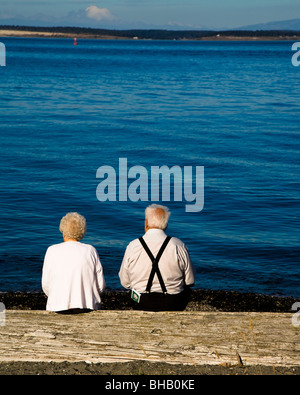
x: 173, y: 241
x: 177, y: 242
x: 134, y: 243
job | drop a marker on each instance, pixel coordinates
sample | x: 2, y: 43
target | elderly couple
x: 156, y: 268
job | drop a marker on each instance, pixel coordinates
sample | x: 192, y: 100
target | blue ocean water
x: 232, y: 107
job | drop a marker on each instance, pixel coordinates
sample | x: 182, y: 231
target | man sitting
x: 157, y: 268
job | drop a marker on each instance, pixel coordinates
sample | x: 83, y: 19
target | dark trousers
x: 155, y: 301
x: 74, y: 311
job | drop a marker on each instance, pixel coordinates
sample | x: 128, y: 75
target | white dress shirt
x: 175, y: 264
x: 72, y: 277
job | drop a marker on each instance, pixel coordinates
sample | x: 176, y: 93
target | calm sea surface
x: 232, y: 107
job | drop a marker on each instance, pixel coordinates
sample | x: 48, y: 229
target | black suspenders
x: 155, y: 268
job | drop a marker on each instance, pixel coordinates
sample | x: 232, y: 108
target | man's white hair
x: 73, y: 226
x: 157, y: 216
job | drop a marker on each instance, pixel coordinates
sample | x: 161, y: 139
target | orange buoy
x: 75, y: 41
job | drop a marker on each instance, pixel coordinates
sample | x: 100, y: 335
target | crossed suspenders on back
x: 155, y: 268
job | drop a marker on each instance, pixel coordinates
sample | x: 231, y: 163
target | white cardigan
x: 72, y: 276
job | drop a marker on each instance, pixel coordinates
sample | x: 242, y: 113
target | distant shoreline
x: 102, y: 34
x: 32, y: 34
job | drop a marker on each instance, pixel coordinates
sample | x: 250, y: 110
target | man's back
x: 175, y: 264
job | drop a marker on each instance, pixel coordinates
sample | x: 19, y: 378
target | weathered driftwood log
x: 196, y: 338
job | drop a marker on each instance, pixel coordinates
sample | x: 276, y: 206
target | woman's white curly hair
x: 73, y: 226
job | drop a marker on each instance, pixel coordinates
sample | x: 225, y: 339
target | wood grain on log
x: 197, y: 338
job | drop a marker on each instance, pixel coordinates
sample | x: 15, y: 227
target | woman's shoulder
x: 71, y: 245
x: 54, y: 247
x: 87, y: 247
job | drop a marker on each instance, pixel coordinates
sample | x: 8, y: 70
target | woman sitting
x: 72, y: 275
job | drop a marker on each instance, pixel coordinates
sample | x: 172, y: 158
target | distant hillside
x: 292, y: 24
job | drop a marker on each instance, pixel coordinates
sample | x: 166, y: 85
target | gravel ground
x: 140, y: 368
x: 201, y: 300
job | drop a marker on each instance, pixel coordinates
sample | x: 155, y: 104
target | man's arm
x: 188, y: 268
x: 123, y: 273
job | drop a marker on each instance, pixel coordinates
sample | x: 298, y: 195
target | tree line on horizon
x: 158, y: 34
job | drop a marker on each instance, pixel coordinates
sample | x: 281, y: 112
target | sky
x: 166, y: 14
